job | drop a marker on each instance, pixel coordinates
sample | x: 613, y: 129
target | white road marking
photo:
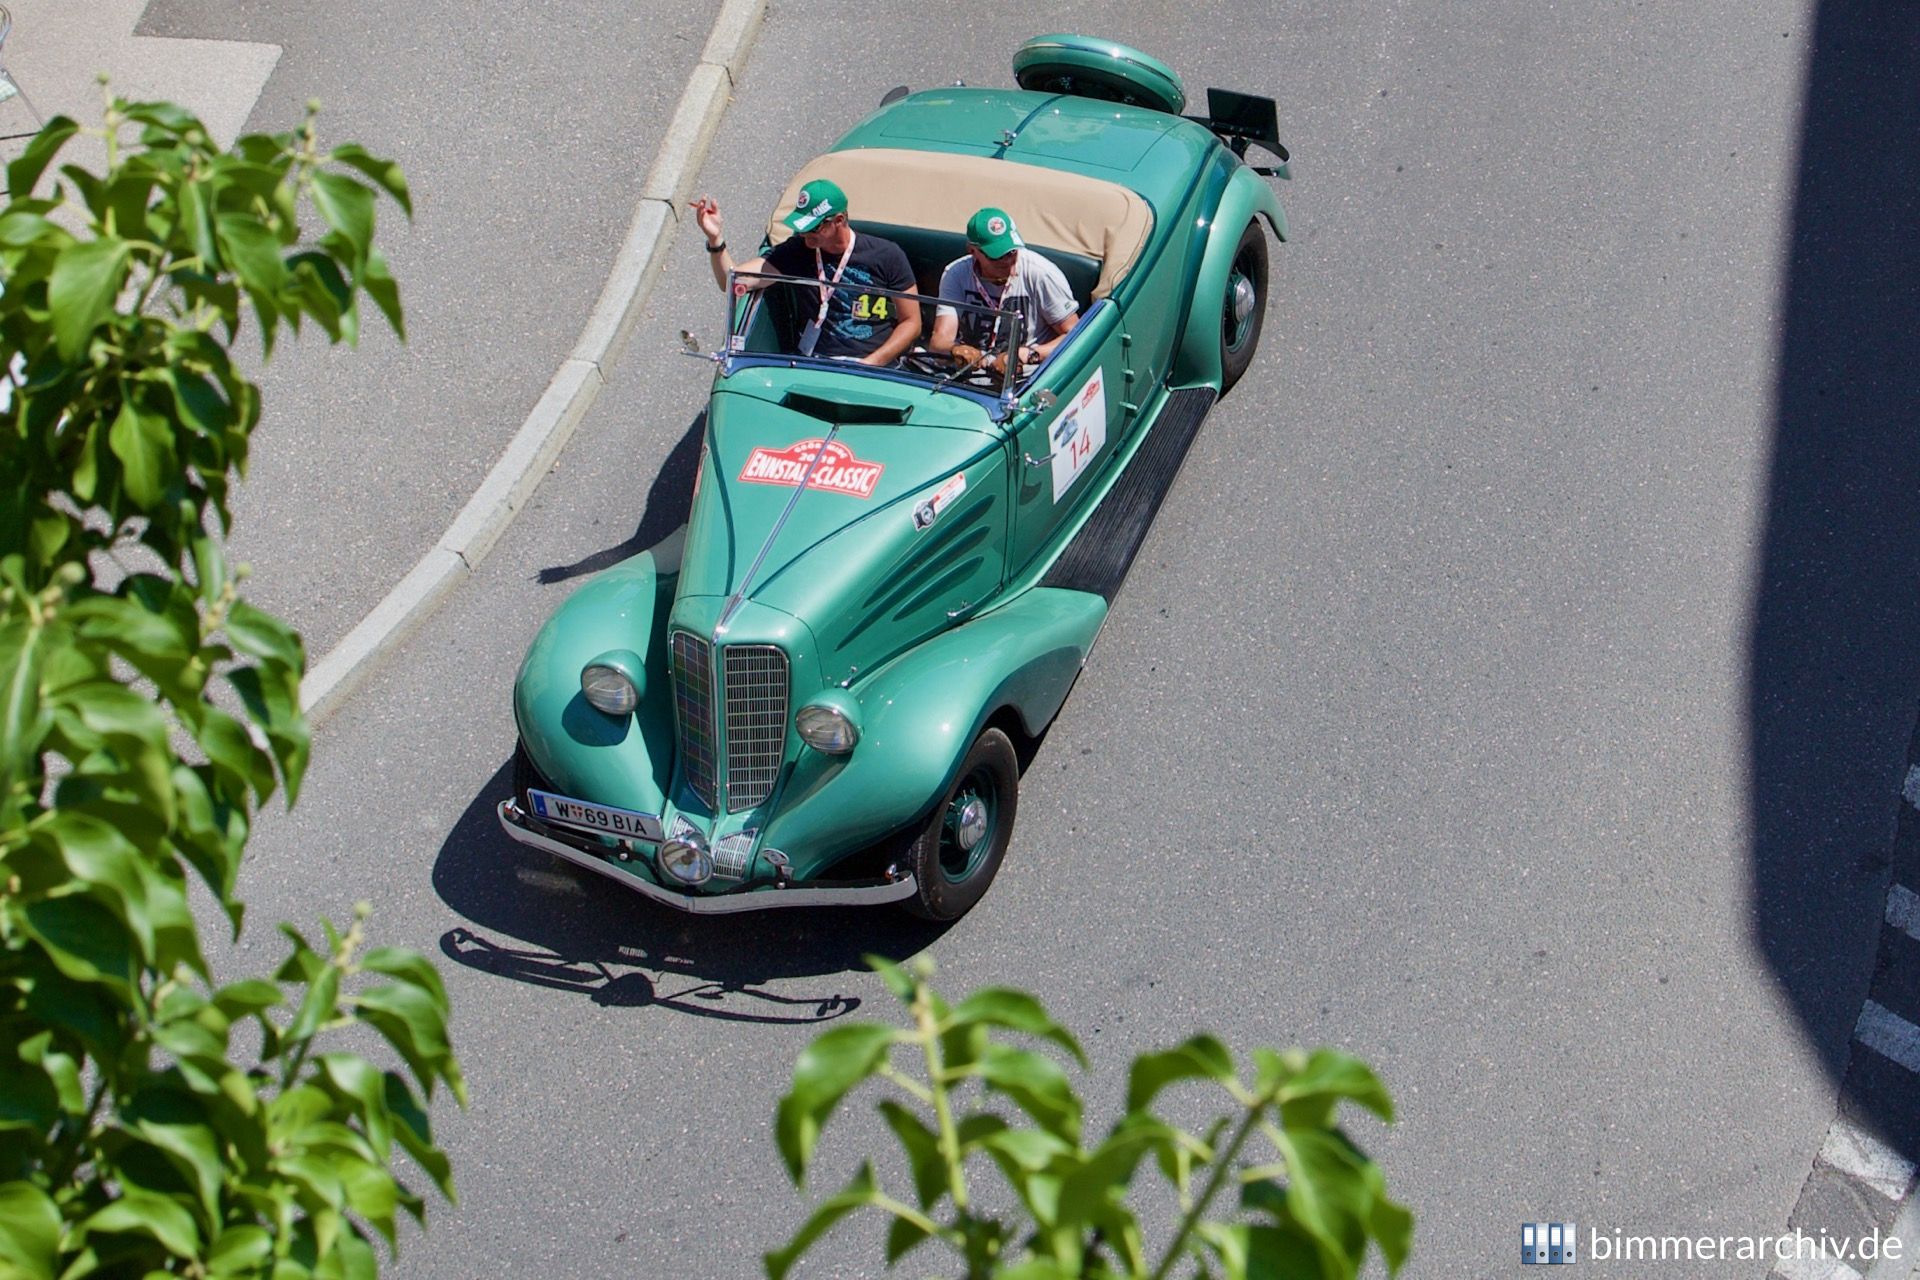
x: 58, y: 48
x: 1903, y: 910
x: 1865, y: 1158
x: 1889, y: 1034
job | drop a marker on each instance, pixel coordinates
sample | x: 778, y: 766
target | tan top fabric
x: 1052, y: 209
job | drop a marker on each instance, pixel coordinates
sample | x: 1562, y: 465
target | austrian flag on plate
x: 839, y: 471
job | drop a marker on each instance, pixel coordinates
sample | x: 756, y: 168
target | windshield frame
x: 743, y: 303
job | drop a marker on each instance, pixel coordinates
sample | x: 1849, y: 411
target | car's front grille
x: 693, y: 711
x: 753, y: 691
x: 756, y: 693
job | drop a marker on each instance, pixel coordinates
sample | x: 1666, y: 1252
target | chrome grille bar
x: 756, y: 701
x: 693, y: 712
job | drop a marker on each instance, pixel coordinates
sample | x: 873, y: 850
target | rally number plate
x: 624, y: 823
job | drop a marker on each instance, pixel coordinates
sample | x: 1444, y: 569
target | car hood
x: 902, y: 526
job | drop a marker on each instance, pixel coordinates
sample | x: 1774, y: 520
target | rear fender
x: 919, y: 715
x: 619, y: 760
x: 1247, y: 195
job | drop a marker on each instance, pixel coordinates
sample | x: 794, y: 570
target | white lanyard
x: 826, y: 285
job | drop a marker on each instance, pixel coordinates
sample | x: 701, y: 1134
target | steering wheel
x: 934, y: 364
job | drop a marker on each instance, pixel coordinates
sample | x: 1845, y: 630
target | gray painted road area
x: 1511, y: 690
x: 525, y: 131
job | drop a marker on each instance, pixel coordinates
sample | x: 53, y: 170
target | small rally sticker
x: 800, y: 201
x: 839, y: 471
x: 929, y: 511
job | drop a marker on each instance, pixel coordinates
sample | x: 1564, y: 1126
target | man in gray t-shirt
x: 999, y: 272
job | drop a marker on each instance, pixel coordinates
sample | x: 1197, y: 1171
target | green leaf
x: 408, y: 966
x: 1036, y: 1085
x: 1015, y: 1011
x: 903, y: 1237
x: 239, y: 1251
x: 1330, y: 1077
x: 322, y: 998
x: 84, y: 940
x: 1201, y: 1057
x: 86, y: 279
x: 930, y: 1174
x: 197, y: 221
x: 835, y: 1062
x: 347, y: 205
x: 380, y: 285
x: 178, y: 1125
x: 1328, y: 1192
x: 1230, y: 1244
x: 858, y: 1192
x: 1391, y: 1224
x: 144, y: 446
x: 29, y: 1232
x: 23, y: 174
x: 385, y: 173
x: 23, y: 720
x: 157, y: 1217
x: 410, y: 1020
x: 253, y: 252
x: 260, y: 634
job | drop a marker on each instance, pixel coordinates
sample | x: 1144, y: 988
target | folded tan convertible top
x: 940, y: 191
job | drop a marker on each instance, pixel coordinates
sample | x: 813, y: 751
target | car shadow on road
x: 535, y: 919
x: 1834, y: 656
x: 669, y: 503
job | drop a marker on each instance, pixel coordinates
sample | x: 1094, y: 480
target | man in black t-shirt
x: 848, y: 322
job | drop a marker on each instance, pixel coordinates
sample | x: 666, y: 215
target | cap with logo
x: 817, y: 201
x: 992, y: 232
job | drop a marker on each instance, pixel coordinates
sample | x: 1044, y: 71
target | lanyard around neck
x: 826, y: 285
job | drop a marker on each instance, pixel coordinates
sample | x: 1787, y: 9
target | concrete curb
x: 571, y: 392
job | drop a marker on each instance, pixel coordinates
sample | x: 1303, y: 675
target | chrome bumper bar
x: 537, y: 835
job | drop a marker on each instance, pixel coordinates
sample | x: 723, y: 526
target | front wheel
x: 1244, y: 305
x: 957, y: 853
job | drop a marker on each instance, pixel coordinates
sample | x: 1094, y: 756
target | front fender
x: 1247, y: 196
x: 921, y: 712
x: 619, y: 760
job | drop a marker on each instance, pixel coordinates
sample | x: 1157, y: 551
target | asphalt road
x: 1424, y: 727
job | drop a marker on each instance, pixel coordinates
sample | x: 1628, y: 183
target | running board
x: 1099, y: 556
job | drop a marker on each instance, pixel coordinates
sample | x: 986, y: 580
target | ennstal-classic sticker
x: 839, y: 471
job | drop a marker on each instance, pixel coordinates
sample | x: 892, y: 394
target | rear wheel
x: 1243, y: 307
x: 957, y: 853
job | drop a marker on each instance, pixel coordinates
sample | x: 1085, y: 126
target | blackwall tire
x: 951, y: 874
x: 1240, y: 328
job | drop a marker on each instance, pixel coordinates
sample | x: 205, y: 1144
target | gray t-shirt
x: 1036, y: 289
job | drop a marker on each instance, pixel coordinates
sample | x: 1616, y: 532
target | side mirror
x: 1042, y: 400
x: 894, y: 95
x: 689, y: 343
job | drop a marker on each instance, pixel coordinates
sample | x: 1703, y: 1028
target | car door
x: 1061, y: 452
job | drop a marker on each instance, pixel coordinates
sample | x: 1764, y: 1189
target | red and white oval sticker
x: 839, y: 471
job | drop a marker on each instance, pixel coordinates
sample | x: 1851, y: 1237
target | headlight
x: 686, y: 859
x: 829, y: 723
x: 609, y: 689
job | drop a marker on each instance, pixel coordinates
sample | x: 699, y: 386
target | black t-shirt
x: 858, y: 324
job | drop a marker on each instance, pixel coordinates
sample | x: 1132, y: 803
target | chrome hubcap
x: 1243, y: 299
x: 970, y: 824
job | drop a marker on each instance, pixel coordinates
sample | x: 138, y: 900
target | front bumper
x: 530, y: 831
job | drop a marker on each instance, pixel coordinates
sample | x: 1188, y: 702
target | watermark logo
x: 1548, y: 1243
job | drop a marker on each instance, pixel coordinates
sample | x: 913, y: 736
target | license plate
x: 595, y: 817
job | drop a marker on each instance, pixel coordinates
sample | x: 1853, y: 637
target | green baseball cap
x: 817, y: 201
x: 992, y: 232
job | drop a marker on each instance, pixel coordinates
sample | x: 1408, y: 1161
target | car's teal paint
x: 582, y: 751
x: 921, y: 713
x: 1246, y: 197
x: 1051, y: 60
x: 925, y: 630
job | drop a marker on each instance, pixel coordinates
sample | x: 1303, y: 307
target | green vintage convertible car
x: 822, y: 690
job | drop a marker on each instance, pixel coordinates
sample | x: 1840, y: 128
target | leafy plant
x: 153, y: 1119
x: 1308, y: 1205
